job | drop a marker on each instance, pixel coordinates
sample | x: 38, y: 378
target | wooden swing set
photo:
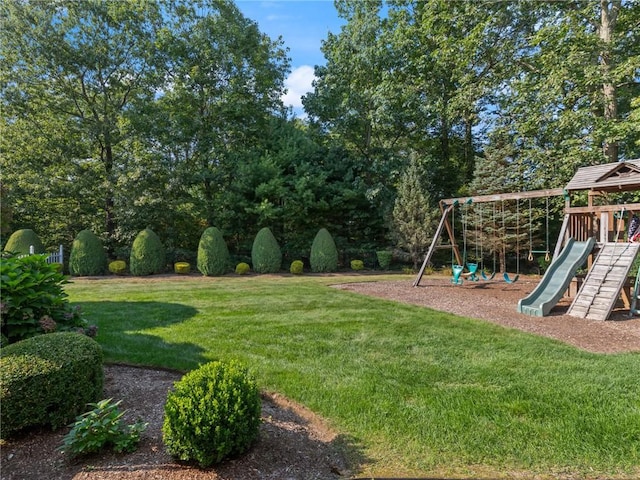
x: 608, y: 263
x: 447, y: 223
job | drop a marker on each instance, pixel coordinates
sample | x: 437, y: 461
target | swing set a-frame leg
x: 434, y: 243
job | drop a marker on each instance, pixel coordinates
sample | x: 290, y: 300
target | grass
x: 413, y: 391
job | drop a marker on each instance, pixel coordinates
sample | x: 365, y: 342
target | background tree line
x: 117, y: 116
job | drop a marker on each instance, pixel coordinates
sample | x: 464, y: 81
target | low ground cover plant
x: 102, y: 427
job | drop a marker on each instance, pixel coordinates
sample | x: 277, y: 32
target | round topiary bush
x: 265, y: 253
x: 324, y: 254
x: 21, y: 240
x: 212, y: 413
x: 297, y: 267
x: 48, y: 380
x: 242, y: 268
x: 182, y: 268
x: 87, y: 255
x: 357, y: 265
x: 213, y: 254
x: 147, y: 254
x: 118, y: 267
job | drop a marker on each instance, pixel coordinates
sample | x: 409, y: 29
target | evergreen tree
x: 413, y: 214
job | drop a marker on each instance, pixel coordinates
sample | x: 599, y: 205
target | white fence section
x: 55, y: 257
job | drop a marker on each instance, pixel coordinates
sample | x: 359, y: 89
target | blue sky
x: 303, y: 24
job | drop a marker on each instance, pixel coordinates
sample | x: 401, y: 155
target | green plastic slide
x: 556, y: 279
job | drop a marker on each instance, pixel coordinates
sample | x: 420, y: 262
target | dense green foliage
x: 266, y: 256
x: 384, y: 259
x: 414, y: 391
x: 356, y: 265
x: 550, y: 86
x: 87, y: 255
x: 22, y: 240
x: 213, y: 253
x: 99, y: 428
x: 147, y: 254
x: 33, y: 298
x: 212, y: 413
x: 47, y: 380
x: 324, y: 254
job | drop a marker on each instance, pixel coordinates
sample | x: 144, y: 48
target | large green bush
x: 147, y: 254
x: 87, y: 255
x: 21, y: 240
x: 212, y: 413
x: 324, y: 254
x: 213, y: 254
x: 266, y: 255
x: 48, y: 380
x: 33, y: 299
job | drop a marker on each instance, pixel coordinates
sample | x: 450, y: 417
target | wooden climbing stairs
x: 604, y: 282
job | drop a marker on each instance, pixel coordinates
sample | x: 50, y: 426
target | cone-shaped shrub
x: 147, y: 254
x: 265, y: 253
x: 87, y: 255
x: 213, y: 254
x: 21, y: 240
x: 324, y: 254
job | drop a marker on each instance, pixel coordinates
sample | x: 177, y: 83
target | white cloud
x: 298, y: 83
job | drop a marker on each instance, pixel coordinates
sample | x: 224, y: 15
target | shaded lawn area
x: 421, y: 392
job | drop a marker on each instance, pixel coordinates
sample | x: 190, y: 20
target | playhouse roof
x: 609, y: 177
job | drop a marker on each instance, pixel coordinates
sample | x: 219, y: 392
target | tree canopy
x: 167, y: 114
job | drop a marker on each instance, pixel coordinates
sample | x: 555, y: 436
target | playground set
x: 599, y: 234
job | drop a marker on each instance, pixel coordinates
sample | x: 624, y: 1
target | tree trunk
x: 608, y: 17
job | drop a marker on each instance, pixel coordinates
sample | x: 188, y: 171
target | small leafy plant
x: 100, y: 428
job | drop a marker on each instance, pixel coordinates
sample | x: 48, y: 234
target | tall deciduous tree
x: 71, y: 72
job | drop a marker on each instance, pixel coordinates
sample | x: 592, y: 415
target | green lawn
x: 412, y: 391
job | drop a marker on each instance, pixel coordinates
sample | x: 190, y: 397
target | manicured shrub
x: 47, y: 380
x: 384, y: 259
x: 324, y: 254
x: 182, y: 268
x: 213, y: 254
x: 266, y: 255
x: 87, y: 255
x: 118, y: 267
x: 357, y: 265
x: 297, y: 267
x: 212, y: 413
x: 21, y: 240
x: 33, y: 299
x: 147, y: 254
x: 243, y: 268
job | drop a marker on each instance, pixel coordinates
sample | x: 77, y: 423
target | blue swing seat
x: 457, y: 272
x: 510, y: 280
x: 473, y: 268
x: 484, y: 276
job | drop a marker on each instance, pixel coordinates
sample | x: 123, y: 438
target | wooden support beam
x: 554, y: 192
x: 634, y: 207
